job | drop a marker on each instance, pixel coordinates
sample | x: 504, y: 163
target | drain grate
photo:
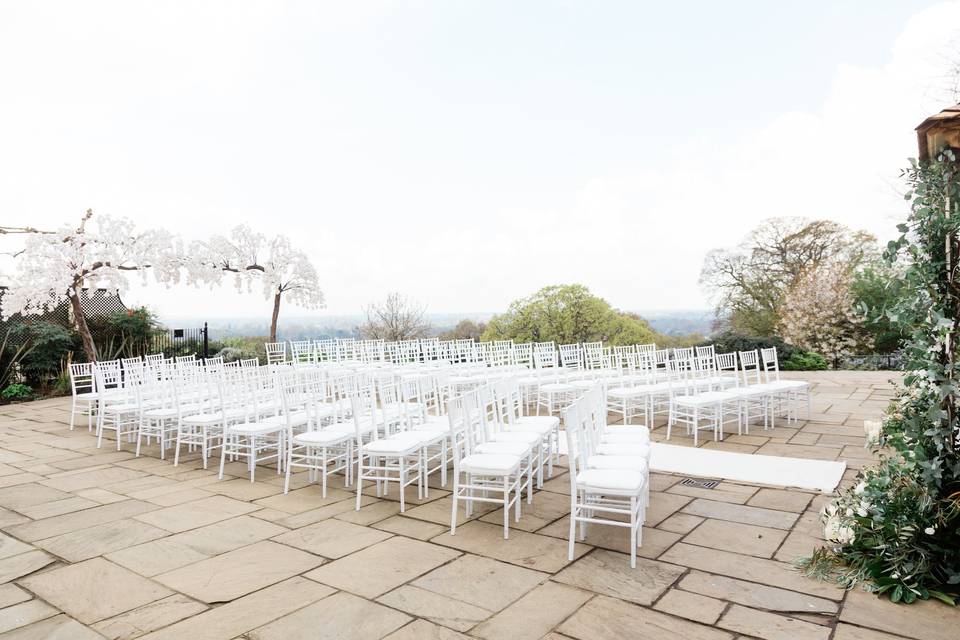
x: 700, y: 484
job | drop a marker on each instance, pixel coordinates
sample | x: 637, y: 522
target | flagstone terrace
x: 97, y: 543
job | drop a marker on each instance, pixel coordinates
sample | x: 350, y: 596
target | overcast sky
x: 467, y: 153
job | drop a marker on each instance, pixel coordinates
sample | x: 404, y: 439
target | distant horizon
x: 360, y: 314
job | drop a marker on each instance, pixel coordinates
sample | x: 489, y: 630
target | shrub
x: 16, y: 392
x: 50, y: 345
x: 804, y: 361
x: 125, y: 334
x: 230, y: 354
x: 241, y: 348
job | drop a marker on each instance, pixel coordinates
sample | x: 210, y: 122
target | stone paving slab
x: 98, y: 543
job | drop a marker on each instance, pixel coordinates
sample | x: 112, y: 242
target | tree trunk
x: 276, y: 314
x: 80, y: 322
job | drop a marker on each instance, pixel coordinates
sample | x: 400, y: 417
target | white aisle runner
x: 800, y: 473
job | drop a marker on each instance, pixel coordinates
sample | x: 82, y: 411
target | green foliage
x: 12, y: 353
x: 50, y: 345
x: 729, y: 341
x: 878, y: 288
x: 16, y: 392
x: 125, y: 334
x: 804, y: 361
x: 899, y: 527
x: 567, y: 314
x: 241, y: 348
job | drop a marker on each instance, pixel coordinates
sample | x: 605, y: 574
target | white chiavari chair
x: 83, y: 388
x: 793, y: 392
x: 596, y: 492
x: 479, y: 477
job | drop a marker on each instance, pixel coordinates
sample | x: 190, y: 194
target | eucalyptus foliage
x: 897, y: 528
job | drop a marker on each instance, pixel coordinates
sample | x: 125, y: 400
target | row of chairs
x: 589, y: 355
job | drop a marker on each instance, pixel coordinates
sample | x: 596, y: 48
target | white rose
x: 860, y: 488
x: 930, y: 531
x: 845, y: 535
x: 872, y: 430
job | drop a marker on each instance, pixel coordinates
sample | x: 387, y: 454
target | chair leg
x: 453, y: 503
x: 506, y: 507
x: 223, y: 454
x: 573, y: 525
x: 359, y: 478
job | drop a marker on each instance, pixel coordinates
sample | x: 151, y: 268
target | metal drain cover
x: 699, y: 483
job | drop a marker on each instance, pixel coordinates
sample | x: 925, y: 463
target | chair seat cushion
x: 126, y: 407
x: 539, y: 429
x: 297, y: 418
x: 402, y: 443
x: 552, y: 422
x: 752, y: 391
x: 620, y: 480
x: 494, y: 464
x: 529, y: 438
x: 637, y: 463
x: 510, y: 448
x: 624, y: 449
x: 637, y: 429
x: 557, y: 387
x: 253, y: 428
x: 704, y: 399
x: 169, y: 412
x: 788, y: 384
x: 323, y: 437
x: 627, y: 438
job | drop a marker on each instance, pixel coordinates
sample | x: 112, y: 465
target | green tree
x: 567, y: 314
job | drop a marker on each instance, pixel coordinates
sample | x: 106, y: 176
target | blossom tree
x: 819, y: 312
x: 54, y: 267
x: 281, y: 270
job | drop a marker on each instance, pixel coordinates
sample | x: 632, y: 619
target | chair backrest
x: 501, y: 353
x: 571, y: 356
x: 276, y: 352
x: 750, y: 367
x: 523, y: 354
x: 325, y: 350
x: 647, y: 348
x: 82, y: 379
x: 727, y: 366
x: 363, y: 406
x: 576, y: 421
x: 346, y: 349
x: 771, y: 366
x: 430, y: 349
x: 301, y: 351
x: 109, y: 376
x: 544, y: 355
x: 594, y: 355
x: 709, y: 350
